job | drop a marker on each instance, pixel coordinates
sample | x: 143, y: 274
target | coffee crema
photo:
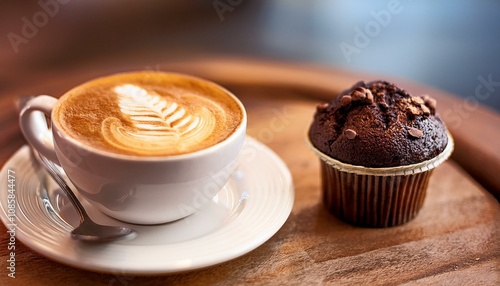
x: 148, y: 114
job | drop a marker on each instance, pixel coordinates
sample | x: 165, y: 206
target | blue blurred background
x: 444, y: 44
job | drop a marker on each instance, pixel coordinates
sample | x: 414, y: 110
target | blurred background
x: 451, y: 45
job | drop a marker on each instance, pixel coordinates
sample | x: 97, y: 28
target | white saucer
x: 250, y: 209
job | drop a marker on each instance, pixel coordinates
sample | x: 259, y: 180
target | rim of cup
x: 199, y: 153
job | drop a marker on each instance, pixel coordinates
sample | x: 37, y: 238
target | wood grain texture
x: 454, y: 240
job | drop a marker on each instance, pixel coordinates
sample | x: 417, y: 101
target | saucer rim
x: 23, y: 235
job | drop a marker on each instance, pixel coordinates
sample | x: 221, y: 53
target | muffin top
x: 378, y: 124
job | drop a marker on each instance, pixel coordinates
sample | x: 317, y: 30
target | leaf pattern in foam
x: 151, y: 114
x: 158, y: 124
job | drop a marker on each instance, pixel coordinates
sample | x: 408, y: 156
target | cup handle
x: 34, y: 126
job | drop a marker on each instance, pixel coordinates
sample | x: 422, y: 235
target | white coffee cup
x: 135, y: 189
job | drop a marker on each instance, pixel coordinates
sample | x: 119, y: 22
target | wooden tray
x: 454, y: 239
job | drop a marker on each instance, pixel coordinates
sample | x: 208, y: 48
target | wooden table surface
x: 454, y: 240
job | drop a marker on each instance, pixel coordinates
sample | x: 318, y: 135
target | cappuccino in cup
x: 148, y: 114
x: 142, y: 147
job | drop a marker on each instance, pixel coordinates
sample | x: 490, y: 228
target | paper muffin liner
x: 376, y: 197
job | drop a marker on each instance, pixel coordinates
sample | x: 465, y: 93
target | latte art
x: 156, y: 124
x: 149, y: 114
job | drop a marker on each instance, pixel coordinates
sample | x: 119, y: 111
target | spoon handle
x: 51, y: 168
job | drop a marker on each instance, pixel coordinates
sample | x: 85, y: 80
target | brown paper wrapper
x: 376, y: 197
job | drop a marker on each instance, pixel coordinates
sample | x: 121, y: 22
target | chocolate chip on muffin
x: 382, y: 126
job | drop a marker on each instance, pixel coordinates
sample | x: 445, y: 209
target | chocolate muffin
x: 378, y: 124
x: 377, y: 146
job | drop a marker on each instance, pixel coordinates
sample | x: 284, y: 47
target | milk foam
x: 157, y: 123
